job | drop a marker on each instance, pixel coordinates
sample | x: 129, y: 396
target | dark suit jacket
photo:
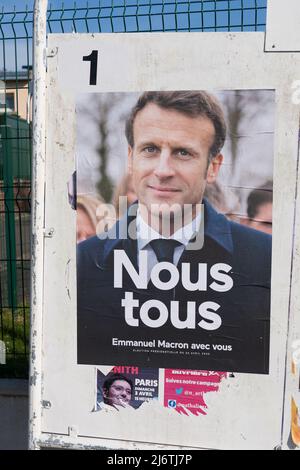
x: 245, y: 309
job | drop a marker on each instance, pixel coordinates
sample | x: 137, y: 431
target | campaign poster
x: 125, y: 386
x: 294, y: 437
x: 185, y: 390
x: 174, y: 222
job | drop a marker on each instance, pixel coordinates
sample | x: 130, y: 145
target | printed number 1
x: 93, y: 59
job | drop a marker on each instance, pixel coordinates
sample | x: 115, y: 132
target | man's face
x: 169, y: 159
x: 119, y: 393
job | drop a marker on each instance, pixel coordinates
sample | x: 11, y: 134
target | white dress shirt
x: 145, y: 234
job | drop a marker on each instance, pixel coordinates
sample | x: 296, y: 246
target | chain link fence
x: 16, y: 30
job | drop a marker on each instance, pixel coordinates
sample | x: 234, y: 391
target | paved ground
x: 13, y: 414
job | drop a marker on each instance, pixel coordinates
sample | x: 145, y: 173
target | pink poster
x: 185, y: 390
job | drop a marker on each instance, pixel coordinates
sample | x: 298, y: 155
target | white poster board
x: 247, y: 410
x: 283, y: 26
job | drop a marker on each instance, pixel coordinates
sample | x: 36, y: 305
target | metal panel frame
x: 38, y: 206
x: 279, y: 74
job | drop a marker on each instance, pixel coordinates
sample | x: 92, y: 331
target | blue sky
x: 9, y: 4
x: 20, y: 4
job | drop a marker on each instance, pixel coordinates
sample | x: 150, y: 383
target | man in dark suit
x: 174, y: 284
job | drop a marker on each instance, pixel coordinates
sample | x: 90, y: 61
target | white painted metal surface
x: 38, y: 194
x: 291, y: 423
x: 248, y: 414
x: 283, y: 26
x: 249, y: 406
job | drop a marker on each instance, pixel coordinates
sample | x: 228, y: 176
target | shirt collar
x: 217, y: 227
x: 145, y: 233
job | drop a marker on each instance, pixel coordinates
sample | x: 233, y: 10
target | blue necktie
x: 164, y: 250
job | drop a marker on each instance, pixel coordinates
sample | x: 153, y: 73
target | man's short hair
x: 259, y: 197
x: 112, y: 378
x: 192, y: 104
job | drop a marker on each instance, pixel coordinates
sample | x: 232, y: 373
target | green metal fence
x: 16, y: 29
